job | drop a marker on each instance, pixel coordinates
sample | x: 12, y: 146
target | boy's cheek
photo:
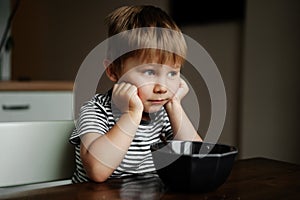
x: 173, y: 87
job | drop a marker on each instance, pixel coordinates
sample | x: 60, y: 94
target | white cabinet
x: 35, y: 152
x: 36, y: 105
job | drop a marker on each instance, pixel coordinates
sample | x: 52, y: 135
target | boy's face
x: 156, y: 83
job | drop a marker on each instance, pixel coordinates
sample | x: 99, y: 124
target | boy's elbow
x: 95, y: 170
x: 97, y: 177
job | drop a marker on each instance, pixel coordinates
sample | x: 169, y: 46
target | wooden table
x: 254, y: 179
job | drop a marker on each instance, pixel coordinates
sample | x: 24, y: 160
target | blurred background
x: 254, y: 43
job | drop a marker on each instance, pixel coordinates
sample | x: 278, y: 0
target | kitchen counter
x: 36, y: 85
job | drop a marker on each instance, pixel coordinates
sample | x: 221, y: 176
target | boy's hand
x: 126, y: 98
x: 178, y: 96
x: 181, y: 91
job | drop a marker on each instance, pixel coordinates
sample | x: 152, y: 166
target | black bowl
x: 188, y: 166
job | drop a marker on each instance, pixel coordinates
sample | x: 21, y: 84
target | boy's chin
x: 153, y: 109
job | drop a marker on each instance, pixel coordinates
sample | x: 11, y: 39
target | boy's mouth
x: 158, y: 101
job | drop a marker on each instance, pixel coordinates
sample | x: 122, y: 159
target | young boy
x: 115, y: 130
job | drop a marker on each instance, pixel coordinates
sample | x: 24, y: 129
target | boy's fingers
x: 180, y: 93
x: 119, y: 87
x: 183, y: 84
x: 182, y: 90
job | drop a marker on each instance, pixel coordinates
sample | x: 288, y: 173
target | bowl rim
x: 233, y: 149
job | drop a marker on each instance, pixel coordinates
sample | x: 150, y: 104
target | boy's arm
x: 182, y: 127
x: 101, y: 155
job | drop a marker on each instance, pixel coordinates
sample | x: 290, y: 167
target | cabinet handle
x: 15, y: 107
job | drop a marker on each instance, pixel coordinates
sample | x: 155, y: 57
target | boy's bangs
x: 160, y: 45
x: 158, y: 56
x: 149, y: 44
x: 157, y: 38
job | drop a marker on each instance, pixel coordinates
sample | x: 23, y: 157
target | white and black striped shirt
x: 96, y: 116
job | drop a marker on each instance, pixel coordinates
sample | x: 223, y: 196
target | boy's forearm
x: 98, y: 162
x: 182, y: 127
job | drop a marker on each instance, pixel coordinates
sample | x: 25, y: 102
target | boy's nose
x: 158, y: 88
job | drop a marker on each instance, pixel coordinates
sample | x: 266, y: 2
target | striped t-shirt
x: 96, y: 116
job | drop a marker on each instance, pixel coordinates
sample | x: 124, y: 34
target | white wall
x: 270, y: 102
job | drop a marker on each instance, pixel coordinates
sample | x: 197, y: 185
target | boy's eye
x: 149, y: 72
x: 172, y: 74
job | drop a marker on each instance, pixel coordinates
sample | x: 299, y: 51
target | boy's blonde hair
x: 139, y: 17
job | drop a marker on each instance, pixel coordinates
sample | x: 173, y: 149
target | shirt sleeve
x: 92, y: 118
x: 167, y: 128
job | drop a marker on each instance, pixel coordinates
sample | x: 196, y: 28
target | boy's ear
x: 109, y: 72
